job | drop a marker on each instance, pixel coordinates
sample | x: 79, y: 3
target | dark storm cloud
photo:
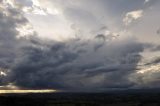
x: 39, y: 68
x: 58, y: 65
x: 10, y: 18
x: 71, y: 65
x: 37, y: 63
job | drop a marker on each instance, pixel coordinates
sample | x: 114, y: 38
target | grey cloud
x: 151, y: 47
x: 25, y: 2
x: 147, y: 76
x: 84, y: 20
x: 122, y: 6
x: 155, y: 48
x: 73, y: 64
x: 101, y: 38
x: 11, y: 18
x: 59, y: 66
x: 150, y: 3
x: 155, y: 60
x: 158, y: 31
x: 8, y: 33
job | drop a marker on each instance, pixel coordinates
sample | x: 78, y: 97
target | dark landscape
x: 127, y: 98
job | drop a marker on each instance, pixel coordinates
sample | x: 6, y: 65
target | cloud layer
x: 94, y: 54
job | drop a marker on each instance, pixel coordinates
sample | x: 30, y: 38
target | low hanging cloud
x: 63, y: 66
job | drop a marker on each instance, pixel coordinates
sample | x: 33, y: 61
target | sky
x: 79, y: 45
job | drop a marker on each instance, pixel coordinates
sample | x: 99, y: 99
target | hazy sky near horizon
x: 79, y: 45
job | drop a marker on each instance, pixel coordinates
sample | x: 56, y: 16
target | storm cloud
x: 10, y: 19
x: 88, y: 49
x: 64, y: 66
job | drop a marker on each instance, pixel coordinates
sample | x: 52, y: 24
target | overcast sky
x: 79, y: 45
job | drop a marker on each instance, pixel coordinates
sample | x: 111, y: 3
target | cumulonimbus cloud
x: 74, y: 64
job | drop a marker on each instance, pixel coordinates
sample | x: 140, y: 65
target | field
x: 81, y: 99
